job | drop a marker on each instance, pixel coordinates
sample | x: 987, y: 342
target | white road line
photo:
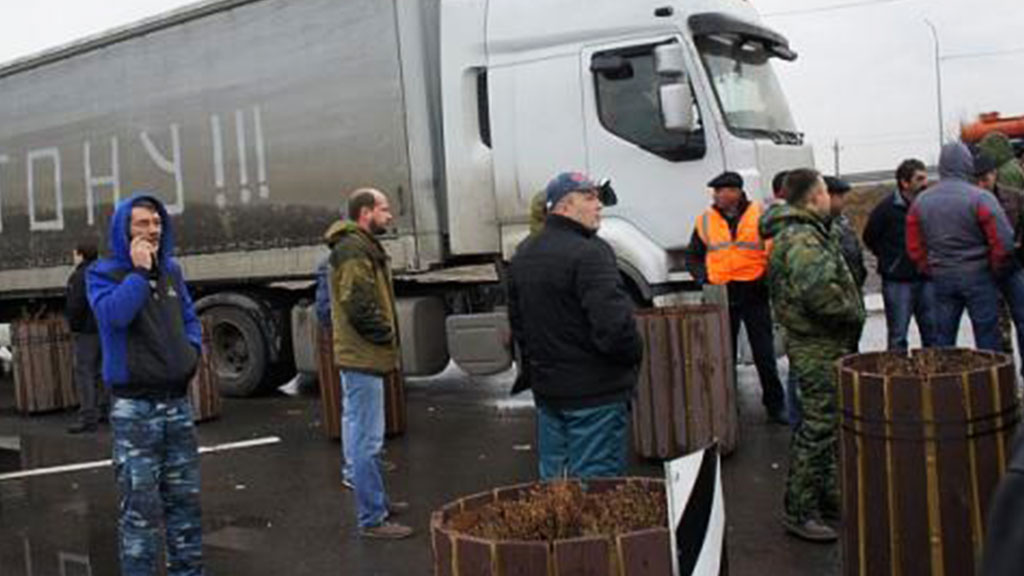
x: 22, y: 474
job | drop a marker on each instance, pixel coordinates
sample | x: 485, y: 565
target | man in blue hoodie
x: 151, y: 347
x: 959, y: 235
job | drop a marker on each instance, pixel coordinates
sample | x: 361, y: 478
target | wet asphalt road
x: 281, y: 509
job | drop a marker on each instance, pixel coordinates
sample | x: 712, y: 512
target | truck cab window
x: 627, y: 86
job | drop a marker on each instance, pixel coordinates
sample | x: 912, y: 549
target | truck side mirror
x: 612, y: 67
x: 669, y: 60
x: 677, y: 107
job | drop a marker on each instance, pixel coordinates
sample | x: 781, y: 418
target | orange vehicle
x: 1013, y: 127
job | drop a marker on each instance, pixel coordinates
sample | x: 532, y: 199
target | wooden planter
x: 920, y: 460
x: 685, y: 399
x: 330, y: 393
x: 43, y: 365
x: 644, y: 552
x: 202, y: 390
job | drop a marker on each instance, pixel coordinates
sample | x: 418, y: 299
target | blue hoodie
x: 148, y: 327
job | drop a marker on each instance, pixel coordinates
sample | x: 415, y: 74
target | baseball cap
x: 836, y: 185
x: 568, y: 182
x: 983, y: 164
x: 726, y: 180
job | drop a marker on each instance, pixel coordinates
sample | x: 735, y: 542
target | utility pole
x: 938, y: 78
x: 835, y: 157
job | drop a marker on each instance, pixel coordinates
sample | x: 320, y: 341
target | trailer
x: 251, y: 120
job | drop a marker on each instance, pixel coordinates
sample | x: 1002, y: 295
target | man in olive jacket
x: 573, y: 319
x: 365, y: 349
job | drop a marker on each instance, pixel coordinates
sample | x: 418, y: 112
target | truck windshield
x: 748, y: 91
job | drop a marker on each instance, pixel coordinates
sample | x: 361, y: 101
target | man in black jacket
x: 92, y: 396
x: 1004, y: 536
x: 573, y: 319
x: 905, y: 291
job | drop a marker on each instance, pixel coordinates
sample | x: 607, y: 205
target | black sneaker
x: 812, y: 530
x: 777, y: 416
x: 82, y: 428
x: 397, y: 507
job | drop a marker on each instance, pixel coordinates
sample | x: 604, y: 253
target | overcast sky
x: 865, y: 76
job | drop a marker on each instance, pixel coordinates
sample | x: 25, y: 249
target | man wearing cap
x: 573, y: 319
x: 727, y: 249
x: 842, y: 230
x: 1011, y: 302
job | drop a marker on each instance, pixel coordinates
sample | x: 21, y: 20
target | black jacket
x: 572, y: 318
x: 76, y: 307
x: 886, y: 236
x: 1004, y: 537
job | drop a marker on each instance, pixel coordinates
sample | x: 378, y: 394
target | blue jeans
x: 347, y: 473
x: 156, y: 463
x: 363, y: 422
x: 906, y: 299
x: 793, y: 410
x: 976, y: 291
x: 586, y: 443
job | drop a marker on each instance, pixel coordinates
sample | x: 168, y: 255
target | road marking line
x: 66, y: 468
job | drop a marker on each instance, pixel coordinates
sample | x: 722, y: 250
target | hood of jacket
x: 998, y: 147
x: 781, y: 216
x: 956, y: 162
x: 348, y: 230
x: 335, y: 232
x: 119, y: 239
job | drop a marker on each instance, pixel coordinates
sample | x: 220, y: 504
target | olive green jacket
x: 998, y: 146
x: 362, y: 302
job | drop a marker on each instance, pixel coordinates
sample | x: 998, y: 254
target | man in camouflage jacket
x: 817, y: 301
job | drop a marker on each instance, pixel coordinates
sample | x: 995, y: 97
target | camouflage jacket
x: 999, y: 147
x: 813, y: 292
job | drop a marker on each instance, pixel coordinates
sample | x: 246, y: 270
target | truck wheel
x: 238, y: 351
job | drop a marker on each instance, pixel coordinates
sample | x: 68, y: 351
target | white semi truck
x: 251, y: 118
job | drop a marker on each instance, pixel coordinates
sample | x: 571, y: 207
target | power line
x: 831, y: 8
x: 965, y: 55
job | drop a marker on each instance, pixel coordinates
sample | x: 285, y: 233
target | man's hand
x: 142, y: 252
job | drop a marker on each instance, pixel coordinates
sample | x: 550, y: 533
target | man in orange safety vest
x: 726, y: 249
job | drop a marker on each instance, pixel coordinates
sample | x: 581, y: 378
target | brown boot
x: 387, y: 531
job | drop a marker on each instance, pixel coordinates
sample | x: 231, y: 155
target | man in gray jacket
x: 959, y: 235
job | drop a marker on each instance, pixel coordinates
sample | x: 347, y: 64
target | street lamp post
x: 938, y: 77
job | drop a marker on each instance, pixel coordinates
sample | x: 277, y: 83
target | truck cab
x: 659, y: 96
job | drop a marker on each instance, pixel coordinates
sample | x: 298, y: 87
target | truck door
x: 659, y: 175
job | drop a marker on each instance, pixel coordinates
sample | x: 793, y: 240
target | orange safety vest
x: 740, y: 259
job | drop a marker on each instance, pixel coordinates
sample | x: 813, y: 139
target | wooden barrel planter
x: 43, y: 365
x: 685, y: 399
x: 924, y: 441
x: 330, y: 392
x: 203, y: 393
x: 457, y: 553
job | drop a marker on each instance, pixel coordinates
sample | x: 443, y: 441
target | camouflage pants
x: 812, y: 485
x: 1005, y: 326
x: 156, y: 461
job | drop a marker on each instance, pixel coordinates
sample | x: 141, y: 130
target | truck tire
x: 238, y: 351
